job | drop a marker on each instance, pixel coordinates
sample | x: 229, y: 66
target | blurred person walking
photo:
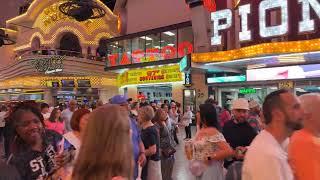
x: 304, y: 147
x: 67, y: 114
x: 110, y: 155
x: 267, y: 156
x: 208, y: 148
x: 151, y: 141
x: 55, y: 121
x: 167, y: 149
x: 174, y: 116
x: 187, y: 121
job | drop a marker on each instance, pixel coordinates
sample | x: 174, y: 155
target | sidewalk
x: 180, y: 169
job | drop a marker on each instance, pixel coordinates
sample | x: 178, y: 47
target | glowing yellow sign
x: 258, y: 50
x: 150, y: 75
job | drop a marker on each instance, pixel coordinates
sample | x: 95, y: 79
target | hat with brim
x: 240, y: 103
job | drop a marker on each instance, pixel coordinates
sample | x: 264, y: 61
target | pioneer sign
x: 307, y: 21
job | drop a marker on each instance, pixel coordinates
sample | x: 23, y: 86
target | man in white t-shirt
x: 67, y: 115
x: 267, y: 158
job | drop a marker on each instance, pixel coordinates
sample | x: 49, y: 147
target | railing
x: 59, y: 52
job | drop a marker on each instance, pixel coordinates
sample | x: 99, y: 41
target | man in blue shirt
x: 138, y: 147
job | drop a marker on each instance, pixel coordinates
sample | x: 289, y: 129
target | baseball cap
x: 119, y: 99
x: 253, y: 104
x: 240, y: 103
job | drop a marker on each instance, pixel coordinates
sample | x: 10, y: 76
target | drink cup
x: 189, y: 149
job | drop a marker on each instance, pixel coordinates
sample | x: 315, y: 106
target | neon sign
x: 151, y: 54
x: 210, y: 5
x: 222, y: 20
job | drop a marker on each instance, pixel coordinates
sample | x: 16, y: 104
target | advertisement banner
x: 285, y: 72
x: 150, y: 75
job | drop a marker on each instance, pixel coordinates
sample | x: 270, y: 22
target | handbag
x: 169, y: 151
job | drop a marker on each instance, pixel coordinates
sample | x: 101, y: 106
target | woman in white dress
x: 208, y: 148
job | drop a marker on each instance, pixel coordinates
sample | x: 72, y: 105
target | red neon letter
x: 137, y: 55
x: 125, y: 59
x: 185, y: 48
x: 210, y: 5
x: 152, y: 53
x: 168, y: 52
x: 113, y: 59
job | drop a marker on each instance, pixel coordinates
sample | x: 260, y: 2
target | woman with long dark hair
x: 208, y: 147
x: 35, y: 152
x: 55, y: 121
x: 166, y: 144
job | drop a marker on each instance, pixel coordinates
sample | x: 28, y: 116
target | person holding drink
x: 208, y: 148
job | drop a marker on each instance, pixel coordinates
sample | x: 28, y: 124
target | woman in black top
x: 35, y: 150
x: 150, y: 139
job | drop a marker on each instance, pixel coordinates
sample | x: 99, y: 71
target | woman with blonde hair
x: 151, y: 140
x: 106, y: 150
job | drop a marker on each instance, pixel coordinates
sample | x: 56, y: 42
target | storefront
x: 256, y: 49
x: 148, y: 62
x: 154, y: 84
x: 57, y: 89
x: 55, y: 60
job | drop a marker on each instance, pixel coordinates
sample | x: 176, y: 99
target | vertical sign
x: 187, y: 79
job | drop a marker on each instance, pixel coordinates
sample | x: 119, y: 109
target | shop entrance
x: 258, y: 92
x: 157, y: 93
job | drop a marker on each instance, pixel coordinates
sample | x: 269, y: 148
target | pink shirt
x: 55, y: 126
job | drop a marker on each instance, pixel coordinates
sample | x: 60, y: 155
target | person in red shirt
x: 304, y: 147
x: 55, y: 121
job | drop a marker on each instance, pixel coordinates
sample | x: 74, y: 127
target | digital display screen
x: 84, y: 83
x: 67, y: 83
x: 241, y: 78
x: 286, y: 72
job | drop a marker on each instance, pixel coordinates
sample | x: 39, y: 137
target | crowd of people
x: 279, y: 141
x: 124, y: 140
x: 139, y: 139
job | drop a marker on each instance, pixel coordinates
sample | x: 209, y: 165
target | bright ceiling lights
x: 171, y: 44
x: 146, y: 38
x: 256, y: 66
x: 291, y: 59
x: 169, y: 33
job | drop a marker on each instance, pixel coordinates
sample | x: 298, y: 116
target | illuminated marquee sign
x: 150, y: 75
x: 151, y: 54
x: 48, y: 65
x: 222, y: 19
